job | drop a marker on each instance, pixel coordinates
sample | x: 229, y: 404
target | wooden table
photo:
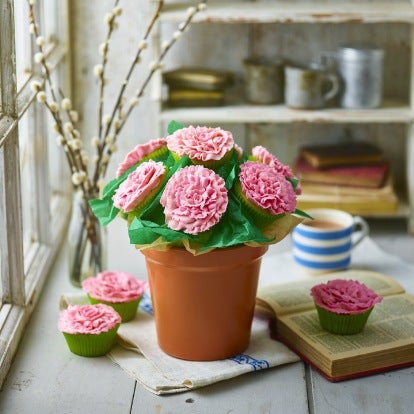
x: 46, y: 378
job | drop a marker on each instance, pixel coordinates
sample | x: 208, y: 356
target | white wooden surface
x: 46, y: 378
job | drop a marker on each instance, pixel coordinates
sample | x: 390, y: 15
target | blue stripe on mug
x: 340, y: 264
x: 329, y: 235
x: 323, y: 250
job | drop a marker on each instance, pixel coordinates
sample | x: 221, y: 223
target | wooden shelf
x: 286, y: 12
x: 388, y: 113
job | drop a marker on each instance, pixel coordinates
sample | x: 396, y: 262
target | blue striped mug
x: 325, y: 243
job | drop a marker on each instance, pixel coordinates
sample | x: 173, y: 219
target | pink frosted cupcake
x: 143, y: 152
x: 140, y: 187
x: 122, y: 291
x: 194, y: 199
x: 89, y: 330
x: 210, y: 147
x: 262, y: 155
x: 264, y: 192
x: 344, y: 306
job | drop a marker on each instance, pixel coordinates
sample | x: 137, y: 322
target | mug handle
x: 333, y: 79
x: 362, y: 233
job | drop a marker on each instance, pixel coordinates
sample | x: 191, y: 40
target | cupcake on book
x: 89, y: 330
x: 264, y: 192
x: 140, y: 187
x: 210, y: 147
x: 344, y: 305
x: 122, y: 291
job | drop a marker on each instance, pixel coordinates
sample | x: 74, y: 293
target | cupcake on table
x: 89, y: 330
x: 344, y: 305
x: 120, y: 290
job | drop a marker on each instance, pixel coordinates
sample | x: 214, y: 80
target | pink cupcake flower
x: 138, y: 153
x: 88, y: 319
x: 114, y: 287
x: 264, y: 186
x: 201, y: 144
x: 194, y: 199
x: 343, y: 296
x: 139, y: 185
x: 264, y: 156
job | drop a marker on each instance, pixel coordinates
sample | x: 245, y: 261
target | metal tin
x: 264, y: 80
x: 361, y: 71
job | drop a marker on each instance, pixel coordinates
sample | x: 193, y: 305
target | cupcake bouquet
x: 199, y: 190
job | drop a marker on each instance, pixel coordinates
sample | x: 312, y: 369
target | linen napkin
x: 139, y: 355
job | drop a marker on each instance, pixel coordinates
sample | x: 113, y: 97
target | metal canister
x: 361, y: 71
x: 264, y: 80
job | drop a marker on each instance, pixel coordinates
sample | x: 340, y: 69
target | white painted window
x: 34, y: 206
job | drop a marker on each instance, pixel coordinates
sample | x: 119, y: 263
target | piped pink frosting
x: 138, y: 185
x: 194, y: 199
x: 114, y: 287
x: 344, y: 296
x: 265, y: 157
x: 88, y: 319
x: 201, y: 143
x: 265, y: 187
x: 138, y: 153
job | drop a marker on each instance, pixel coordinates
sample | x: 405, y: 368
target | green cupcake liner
x: 91, y: 345
x: 260, y: 215
x: 211, y: 164
x: 342, y: 324
x: 126, y: 310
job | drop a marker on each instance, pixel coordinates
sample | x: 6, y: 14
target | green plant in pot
x: 203, y: 213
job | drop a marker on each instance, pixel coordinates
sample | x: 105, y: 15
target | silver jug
x: 360, y: 68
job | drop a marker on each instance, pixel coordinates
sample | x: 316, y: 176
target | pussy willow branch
x: 100, y: 172
x: 111, y: 28
x: 154, y: 67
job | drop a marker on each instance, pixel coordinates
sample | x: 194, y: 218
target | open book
x: 387, y: 341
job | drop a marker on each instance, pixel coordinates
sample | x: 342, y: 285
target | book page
x: 284, y: 298
x: 389, y: 327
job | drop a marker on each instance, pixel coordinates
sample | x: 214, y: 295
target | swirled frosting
x: 114, y: 287
x: 194, y: 199
x: 88, y: 319
x: 264, y: 156
x: 344, y: 296
x: 139, y: 185
x: 265, y: 187
x: 138, y: 153
x: 201, y: 143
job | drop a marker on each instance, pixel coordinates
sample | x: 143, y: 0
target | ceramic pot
x: 204, y: 304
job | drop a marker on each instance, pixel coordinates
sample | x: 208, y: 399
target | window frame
x: 24, y: 270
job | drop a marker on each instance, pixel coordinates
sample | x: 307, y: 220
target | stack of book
x: 354, y: 177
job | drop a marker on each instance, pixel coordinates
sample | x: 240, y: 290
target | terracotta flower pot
x: 203, y: 305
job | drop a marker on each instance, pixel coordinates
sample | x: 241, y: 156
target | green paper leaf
x: 302, y: 214
x: 174, y: 126
x: 104, y: 210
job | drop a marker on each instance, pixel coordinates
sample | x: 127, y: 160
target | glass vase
x: 86, y: 242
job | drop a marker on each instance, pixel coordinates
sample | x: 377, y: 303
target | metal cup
x: 263, y: 80
x: 309, y: 87
x: 361, y: 71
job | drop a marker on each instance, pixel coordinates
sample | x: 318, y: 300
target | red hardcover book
x: 366, y: 175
